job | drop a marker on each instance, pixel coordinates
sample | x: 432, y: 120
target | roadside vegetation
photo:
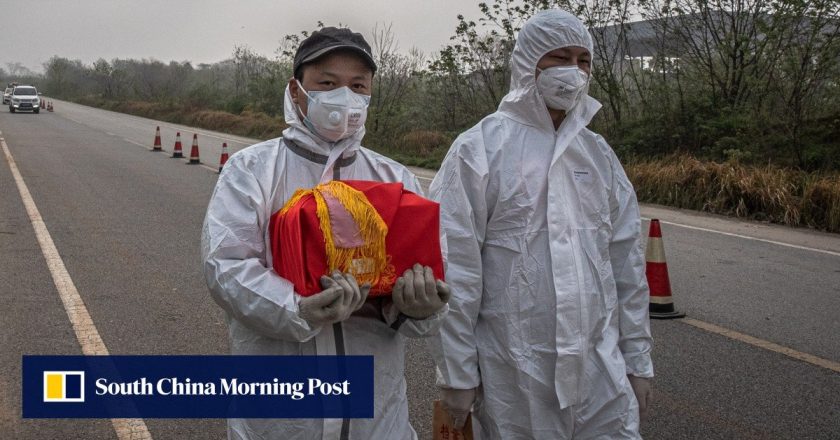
x: 768, y: 193
x: 726, y: 106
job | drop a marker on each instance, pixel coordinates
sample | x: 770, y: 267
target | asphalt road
x: 126, y: 222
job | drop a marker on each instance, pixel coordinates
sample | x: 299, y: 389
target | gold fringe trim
x: 368, y: 263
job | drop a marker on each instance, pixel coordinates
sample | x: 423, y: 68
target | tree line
x: 750, y: 81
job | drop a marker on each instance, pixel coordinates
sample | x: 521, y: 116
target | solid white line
x: 137, y: 143
x: 162, y: 124
x: 747, y: 237
x: 146, y: 147
x: 761, y: 343
x: 164, y: 151
x: 83, y: 326
x: 215, y: 170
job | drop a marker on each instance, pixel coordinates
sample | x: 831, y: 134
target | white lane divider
x: 146, y: 147
x: 86, y: 333
x: 137, y: 143
x: 241, y: 140
x: 747, y: 237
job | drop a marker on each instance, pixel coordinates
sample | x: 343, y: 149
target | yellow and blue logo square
x: 64, y: 386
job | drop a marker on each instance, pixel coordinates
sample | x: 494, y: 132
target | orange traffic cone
x: 656, y: 270
x: 179, y: 150
x: 224, y: 157
x: 49, y: 106
x: 194, y: 152
x: 157, y: 146
x: 43, y: 103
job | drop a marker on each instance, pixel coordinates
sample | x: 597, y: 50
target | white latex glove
x: 458, y: 404
x: 641, y: 387
x: 418, y: 295
x: 340, y: 298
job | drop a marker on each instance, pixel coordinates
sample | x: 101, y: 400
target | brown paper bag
x: 442, y: 426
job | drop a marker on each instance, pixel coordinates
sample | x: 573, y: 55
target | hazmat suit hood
x: 542, y: 33
x: 303, y: 137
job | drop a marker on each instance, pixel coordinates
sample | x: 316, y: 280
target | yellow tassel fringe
x: 368, y: 263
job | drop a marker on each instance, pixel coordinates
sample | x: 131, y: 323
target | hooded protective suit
x: 549, y: 311
x: 262, y: 307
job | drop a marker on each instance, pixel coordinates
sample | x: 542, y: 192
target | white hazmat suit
x: 262, y: 307
x: 549, y: 308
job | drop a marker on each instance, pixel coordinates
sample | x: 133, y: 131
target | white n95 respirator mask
x: 336, y: 114
x: 563, y: 86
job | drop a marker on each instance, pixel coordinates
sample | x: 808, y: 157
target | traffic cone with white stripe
x: 43, y: 103
x: 50, y: 107
x: 224, y: 157
x: 194, y: 160
x: 179, y: 150
x: 656, y: 270
x: 157, y: 146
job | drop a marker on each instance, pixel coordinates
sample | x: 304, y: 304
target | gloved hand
x: 641, y: 387
x: 340, y: 298
x: 418, y: 295
x: 457, y: 403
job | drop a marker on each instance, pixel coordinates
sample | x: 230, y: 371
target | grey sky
x: 205, y: 31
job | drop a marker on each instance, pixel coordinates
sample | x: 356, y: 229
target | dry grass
x: 424, y: 142
x: 767, y: 193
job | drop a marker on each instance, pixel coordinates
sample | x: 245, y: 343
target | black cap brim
x: 324, y: 51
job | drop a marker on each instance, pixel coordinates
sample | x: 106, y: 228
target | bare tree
x: 393, y: 79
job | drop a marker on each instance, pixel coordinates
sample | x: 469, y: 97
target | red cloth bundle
x: 300, y: 250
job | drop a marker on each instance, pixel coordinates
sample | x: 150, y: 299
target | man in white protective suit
x: 548, y: 332
x: 325, y: 108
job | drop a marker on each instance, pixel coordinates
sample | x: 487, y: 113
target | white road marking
x: 86, y: 333
x: 747, y: 237
x: 146, y: 146
x: 137, y: 143
x: 173, y: 127
x: 761, y: 343
x: 164, y: 151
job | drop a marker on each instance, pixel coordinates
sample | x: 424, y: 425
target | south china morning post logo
x: 64, y: 386
x: 190, y: 386
x: 174, y: 386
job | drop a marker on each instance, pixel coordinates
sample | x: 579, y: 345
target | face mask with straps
x: 336, y: 114
x: 563, y: 86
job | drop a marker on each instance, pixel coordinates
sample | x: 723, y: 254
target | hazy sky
x: 205, y: 31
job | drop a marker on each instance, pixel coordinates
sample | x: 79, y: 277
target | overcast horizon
x: 205, y: 31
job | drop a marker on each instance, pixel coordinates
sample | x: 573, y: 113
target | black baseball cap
x: 328, y: 39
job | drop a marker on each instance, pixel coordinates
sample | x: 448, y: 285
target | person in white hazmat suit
x: 325, y: 107
x: 548, y: 332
